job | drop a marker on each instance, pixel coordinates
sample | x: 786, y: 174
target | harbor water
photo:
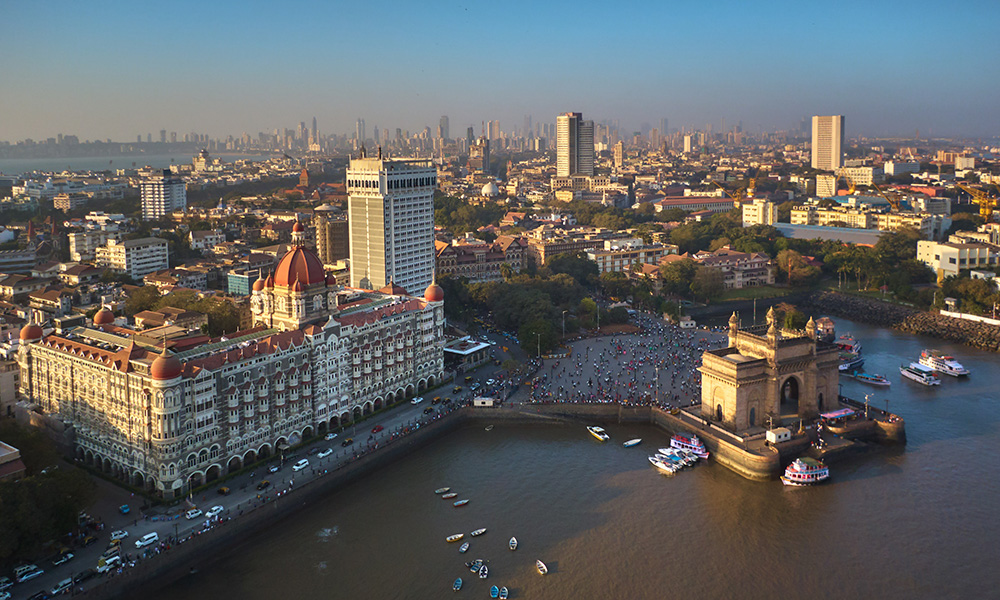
x: 893, y: 522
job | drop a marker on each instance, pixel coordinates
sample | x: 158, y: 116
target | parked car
x: 106, y: 564
x: 84, y: 576
x: 429, y: 409
x: 325, y: 453
x: 417, y: 400
x: 5, y: 584
x: 90, y: 539
x: 149, y: 538
x: 329, y: 436
x: 490, y: 381
x: 300, y: 465
x: 194, y: 513
x: 120, y: 534
x: 62, y: 587
x: 436, y: 400
x: 224, y: 491
x: 475, y: 386
x: 377, y: 429
x: 456, y: 389
x: 263, y: 485
x: 274, y: 468
x: 347, y: 442
x: 26, y: 573
x: 215, y: 511
x: 124, y: 509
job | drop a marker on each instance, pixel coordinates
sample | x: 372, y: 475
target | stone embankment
x: 866, y: 310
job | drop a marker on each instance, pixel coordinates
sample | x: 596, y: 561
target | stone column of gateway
x: 747, y: 382
x: 170, y: 411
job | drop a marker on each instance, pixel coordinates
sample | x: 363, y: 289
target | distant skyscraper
x: 574, y: 145
x: 663, y: 127
x: 315, y: 131
x: 162, y: 194
x: 391, y: 215
x: 827, y: 142
x: 359, y: 130
x: 619, y: 154
x: 687, y: 143
x: 163, y: 136
x: 470, y: 135
x: 527, y: 126
x: 445, y: 134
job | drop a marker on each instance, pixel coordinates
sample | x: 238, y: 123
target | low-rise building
x: 739, y: 269
x: 479, y: 261
x: 950, y: 258
x: 207, y: 239
x: 135, y: 258
x: 619, y: 256
x: 759, y: 211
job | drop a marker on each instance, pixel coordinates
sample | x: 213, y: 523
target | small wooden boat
x: 460, y: 502
x: 484, y: 572
x: 503, y: 593
x: 457, y: 585
x: 489, y: 428
x: 541, y: 567
x: 464, y: 548
x: 454, y: 538
x: 478, y: 532
x: 475, y: 565
x: 449, y: 495
x: 442, y: 490
x: 513, y: 543
x: 631, y: 443
x: 494, y: 592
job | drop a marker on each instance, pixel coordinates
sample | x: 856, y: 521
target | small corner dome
x: 434, y: 293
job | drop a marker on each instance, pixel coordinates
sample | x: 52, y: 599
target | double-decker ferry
x: 919, y: 373
x: 689, y: 442
x: 805, y: 471
x: 942, y: 363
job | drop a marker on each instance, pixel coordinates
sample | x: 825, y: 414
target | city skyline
x: 223, y: 69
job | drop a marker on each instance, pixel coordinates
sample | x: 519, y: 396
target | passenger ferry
x: 599, y: 433
x: 689, y: 442
x: 805, y: 471
x: 921, y: 374
x: 870, y: 378
x: 942, y: 363
x: 847, y: 343
x: 849, y: 361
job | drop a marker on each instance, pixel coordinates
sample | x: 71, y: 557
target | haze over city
x: 117, y: 70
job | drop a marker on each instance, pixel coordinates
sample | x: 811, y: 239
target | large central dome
x: 300, y: 265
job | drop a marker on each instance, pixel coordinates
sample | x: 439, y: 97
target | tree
x: 793, y: 266
x: 144, y: 298
x: 708, y: 284
x: 677, y: 276
x: 575, y: 264
x: 537, y: 335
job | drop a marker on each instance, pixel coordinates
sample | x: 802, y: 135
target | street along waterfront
x: 895, y: 522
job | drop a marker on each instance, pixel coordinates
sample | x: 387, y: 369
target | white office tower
x: 574, y: 145
x: 162, y: 194
x: 390, y: 212
x: 828, y: 142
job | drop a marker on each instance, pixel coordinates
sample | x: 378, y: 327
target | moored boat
x: 634, y: 442
x: 512, y: 543
x: 457, y: 585
x: 870, y: 378
x: 484, y: 572
x: 689, y: 442
x: 449, y: 495
x: 489, y: 428
x: 542, y: 569
x: 942, y: 363
x: 478, y: 532
x: 599, y: 433
x: 460, y: 502
x: 847, y: 343
x: 849, y: 361
x: 475, y: 565
x: 464, y: 548
x: 454, y: 538
x: 503, y: 593
x: 494, y: 592
x: 805, y: 471
x: 919, y: 373
x: 442, y: 490
x: 663, y: 465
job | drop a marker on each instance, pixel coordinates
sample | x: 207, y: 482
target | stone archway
x: 378, y: 403
x: 367, y: 410
x: 334, y: 422
x: 214, y: 472
x: 356, y: 413
x: 264, y: 451
x: 307, y: 433
x: 789, y: 393
x: 235, y: 464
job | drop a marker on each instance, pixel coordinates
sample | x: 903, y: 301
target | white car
x: 417, y: 400
x: 194, y: 513
x: 149, y: 538
x: 330, y: 436
x: 325, y: 453
x: 215, y: 511
x: 490, y: 381
x: 301, y: 464
x: 121, y: 534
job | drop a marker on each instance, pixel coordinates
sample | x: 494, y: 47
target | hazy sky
x: 117, y: 69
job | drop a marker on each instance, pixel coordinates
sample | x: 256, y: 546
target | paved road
x: 169, y: 523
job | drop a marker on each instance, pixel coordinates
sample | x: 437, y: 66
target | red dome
x: 331, y: 279
x: 434, y: 293
x: 298, y: 287
x: 259, y: 284
x: 165, y: 366
x: 31, y: 332
x: 104, y: 317
x: 298, y: 228
x: 269, y: 282
x: 301, y: 264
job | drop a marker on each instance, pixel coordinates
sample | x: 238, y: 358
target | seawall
x: 980, y: 335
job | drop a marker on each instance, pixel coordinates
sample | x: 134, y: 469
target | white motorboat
x: 919, y: 373
x: 662, y: 465
x: 634, y: 442
x: 599, y: 433
x: 942, y: 363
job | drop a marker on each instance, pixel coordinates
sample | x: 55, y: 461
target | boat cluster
x: 684, y: 451
x: 479, y: 566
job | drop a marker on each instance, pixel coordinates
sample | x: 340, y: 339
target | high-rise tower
x: 827, y: 142
x: 445, y: 134
x: 574, y: 145
x: 391, y: 219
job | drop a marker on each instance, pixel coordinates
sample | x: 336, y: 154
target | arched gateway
x: 758, y: 376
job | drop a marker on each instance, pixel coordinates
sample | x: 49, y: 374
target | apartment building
x: 739, y: 269
x: 618, y: 256
x: 135, y: 258
x: 949, y: 258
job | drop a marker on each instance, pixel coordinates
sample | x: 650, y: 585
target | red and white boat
x: 689, y: 442
x: 805, y: 471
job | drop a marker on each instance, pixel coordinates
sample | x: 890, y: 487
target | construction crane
x: 737, y: 195
x: 752, y: 185
x: 892, y: 200
x: 983, y: 199
x: 851, y: 186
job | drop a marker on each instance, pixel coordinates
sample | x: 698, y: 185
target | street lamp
x: 656, y: 396
x: 539, y: 345
x: 564, y: 322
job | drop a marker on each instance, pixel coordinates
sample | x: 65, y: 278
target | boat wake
x: 328, y: 532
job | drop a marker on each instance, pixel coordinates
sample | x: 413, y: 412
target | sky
x: 101, y: 69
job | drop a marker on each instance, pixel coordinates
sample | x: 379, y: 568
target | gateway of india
x: 767, y: 373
